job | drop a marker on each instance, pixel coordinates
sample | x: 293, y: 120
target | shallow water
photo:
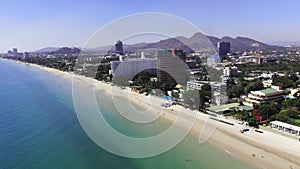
x: 39, y: 129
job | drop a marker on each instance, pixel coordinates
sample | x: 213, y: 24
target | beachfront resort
x: 192, y: 80
x: 260, y: 106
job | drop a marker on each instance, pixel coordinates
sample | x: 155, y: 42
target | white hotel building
x: 131, y: 67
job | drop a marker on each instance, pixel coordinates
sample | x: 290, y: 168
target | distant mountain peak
x: 66, y: 50
x: 46, y: 49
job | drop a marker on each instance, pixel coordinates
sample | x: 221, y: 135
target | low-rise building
x: 213, y: 60
x: 231, y: 71
x: 218, y: 87
x: 194, y: 85
x: 267, y: 83
x: 219, y: 99
x: 263, y: 96
x: 295, y: 92
x: 285, y: 127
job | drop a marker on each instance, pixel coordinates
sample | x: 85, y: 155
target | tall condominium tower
x: 223, y: 48
x: 119, y: 47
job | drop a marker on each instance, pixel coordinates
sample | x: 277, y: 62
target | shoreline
x: 266, y: 150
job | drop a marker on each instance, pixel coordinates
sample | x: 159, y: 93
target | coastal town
x: 150, y: 84
x: 244, y: 102
x: 258, y: 88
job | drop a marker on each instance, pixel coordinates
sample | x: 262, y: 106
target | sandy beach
x: 265, y: 150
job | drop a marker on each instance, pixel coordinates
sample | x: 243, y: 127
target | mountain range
x: 199, y: 41
x: 66, y: 50
x: 47, y: 49
x: 57, y: 50
x: 194, y: 43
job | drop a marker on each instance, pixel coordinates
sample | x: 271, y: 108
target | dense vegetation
x: 284, y: 64
x: 195, y: 99
x: 63, y: 63
x: 286, y: 111
x: 241, y: 86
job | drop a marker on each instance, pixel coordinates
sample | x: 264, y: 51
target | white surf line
x: 227, y: 151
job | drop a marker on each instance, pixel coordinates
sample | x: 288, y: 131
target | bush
x: 252, y: 122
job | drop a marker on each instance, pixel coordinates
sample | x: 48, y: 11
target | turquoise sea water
x: 39, y: 130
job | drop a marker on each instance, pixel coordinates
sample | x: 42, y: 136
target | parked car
x: 259, y: 131
x: 244, y: 130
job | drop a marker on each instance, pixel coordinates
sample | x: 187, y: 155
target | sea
x: 39, y: 129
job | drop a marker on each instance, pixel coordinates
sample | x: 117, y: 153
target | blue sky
x: 30, y: 25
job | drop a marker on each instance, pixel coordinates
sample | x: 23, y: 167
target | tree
x: 287, y: 103
x: 282, y: 117
x: 256, y: 112
x: 253, y: 122
x: 293, y: 77
x: 282, y: 81
x: 121, y: 80
x: 292, y: 114
x: 167, y: 86
x: 175, y: 95
x: 268, y: 109
x: 235, y: 91
x: 206, y: 87
x: 242, y: 115
x: 191, y: 99
x: 143, y: 80
x: 253, y: 86
x: 204, y: 96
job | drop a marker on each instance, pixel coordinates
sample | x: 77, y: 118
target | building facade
x: 223, y: 48
x: 15, y: 52
x: 25, y: 55
x: 285, y: 127
x: 263, y: 96
x: 194, y: 85
x: 119, y: 48
x: 213, y: 60
x: 131, y: 67
x: 172, y: 69
x: 219, y: 99
x: 231, y: 71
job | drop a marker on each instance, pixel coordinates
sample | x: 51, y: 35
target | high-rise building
x: 171, y: 67
x: 15, y: 52
x: 25, y: 55
x: 119, y: 47
x: 131, y: 67
x: 179, y: 53
x: 223, y: 48
x: 9, y: 53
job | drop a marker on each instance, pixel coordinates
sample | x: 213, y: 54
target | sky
x: 31, y: 24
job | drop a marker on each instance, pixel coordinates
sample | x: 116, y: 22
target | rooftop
x: 246, y: 108
x: 219, y: 108
x: 268, y: 91
x: 286, y: 125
